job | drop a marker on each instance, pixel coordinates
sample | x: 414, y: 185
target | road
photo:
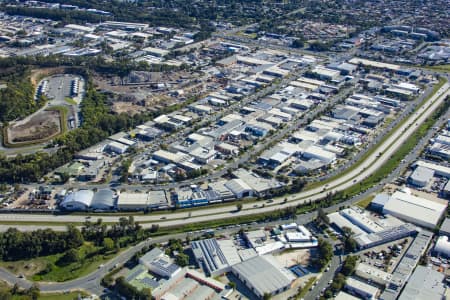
x: 356, y: 175
x: 91, y: 282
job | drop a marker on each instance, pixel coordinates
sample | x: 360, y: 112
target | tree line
x: 17, y: 245
x: 17, y: 98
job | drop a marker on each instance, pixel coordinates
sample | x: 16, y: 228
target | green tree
x: 71, y: 256
x: 74, y: 237
x: 34, y: 292
x: 267, y: 296
x: 298, y: 43
x: 108, y: 244
x: 239, y: 206
x: 182, y: 260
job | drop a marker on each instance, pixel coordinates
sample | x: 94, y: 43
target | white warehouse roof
x: 442, y: 246
x: 417, y: 210
x: 79, y: 200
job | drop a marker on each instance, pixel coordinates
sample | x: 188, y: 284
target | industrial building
x: 421, y: 176
x: 132, y: 201
x: 405, y: 267
x: 215, y: 257
x: 361, y: 288
x: 141, y: 201
x: 190, y: 285
x: 345, y: 296
x: 157, y: 262
x: 417, y: 210
x: 424, y: 283
x: 445, y: 227
x: 389, y: 234
x: 79, y: 200
x: 442, y: 247
x: 373, y: 274
x: 263, y: 275
x: 103, y: 200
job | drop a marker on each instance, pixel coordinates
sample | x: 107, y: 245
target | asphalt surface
x: 356, y: 175
x: 91, y: 282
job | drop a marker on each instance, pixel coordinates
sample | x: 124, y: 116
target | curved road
x: 359, y: 173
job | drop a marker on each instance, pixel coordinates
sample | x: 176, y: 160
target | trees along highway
x: 348, y: 179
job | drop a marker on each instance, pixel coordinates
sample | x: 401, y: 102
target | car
x: 101, y: 266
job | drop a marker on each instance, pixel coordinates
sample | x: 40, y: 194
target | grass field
x: 47, y: 268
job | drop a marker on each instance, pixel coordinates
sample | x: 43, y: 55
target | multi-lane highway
x: 91, y: 282
x: 348, y: 179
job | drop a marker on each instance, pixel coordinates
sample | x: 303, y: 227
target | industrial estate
x: 205, y: 150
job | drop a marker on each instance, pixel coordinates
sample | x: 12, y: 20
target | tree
x: 350, y: 244
x: 239, y: 206
x: 74, y: 237
x: 108, y: 244
x: 298, y: 43
x: 71, y: 256
x: 182, y: 260
x: 322, y: 217
x: 34, y: 292
x: 325, y: 253
x: 349, y: 265
x: 267, y: 296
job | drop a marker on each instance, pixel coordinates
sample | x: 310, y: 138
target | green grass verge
x: 443, y: 68
x: 70, y: 101
x: 46, y: 268
x: 63, y: 111
x: 364, y: 203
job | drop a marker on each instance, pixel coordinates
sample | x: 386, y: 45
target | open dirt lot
x: 294, y: 257
x: 41, y: 125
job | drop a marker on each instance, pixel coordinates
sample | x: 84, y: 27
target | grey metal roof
x: 445, y: 227
x: 103, y: 199
x: 424, y: 283
x: 263, y: 274
x: 152, y: 255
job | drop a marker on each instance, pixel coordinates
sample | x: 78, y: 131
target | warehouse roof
x: 264, y: 274
x: 83, y: 197
x: 238, y: 186
x: 344, y: 296
x: 126, y: 198
x: 422, y: 175
x: 445, y: 227
x: 103, y: 199
x: 424, y: 283
x: 418, y: 208
x: 361, y: 286
x: 157, y: 198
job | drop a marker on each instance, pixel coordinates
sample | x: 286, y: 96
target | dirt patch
x: 27, y: 268
x: 42, y: 125
x: 294, y: 257
x: 38, y: 74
